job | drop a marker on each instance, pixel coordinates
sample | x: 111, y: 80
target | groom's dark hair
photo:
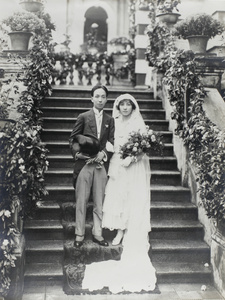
x: 99, y: 86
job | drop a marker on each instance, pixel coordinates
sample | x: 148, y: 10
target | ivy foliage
x: 22, y: 153
x: 204, y: 140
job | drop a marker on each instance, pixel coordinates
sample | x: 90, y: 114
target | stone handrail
x: 82, y: 69
x: 214, y: 107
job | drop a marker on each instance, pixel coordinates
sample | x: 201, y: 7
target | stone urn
x: 20, y: 40
x: 168, y: 17
x: 198, y: 43
x: 31, y: 6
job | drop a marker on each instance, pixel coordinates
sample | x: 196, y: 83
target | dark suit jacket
x: 86, y: 125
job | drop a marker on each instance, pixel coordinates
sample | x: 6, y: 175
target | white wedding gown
x: 126, y: 206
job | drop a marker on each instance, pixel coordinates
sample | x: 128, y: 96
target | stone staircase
x: 178, y: 251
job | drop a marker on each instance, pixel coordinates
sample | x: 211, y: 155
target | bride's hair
x: 135, y: 112
x: 132, y: 103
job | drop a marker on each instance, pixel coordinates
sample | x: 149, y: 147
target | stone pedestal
x: 17, y: 273
x: 217, y: 50
x: 7, y: 66
x: 9, y: 70
x: 218, y: 259
x: 211, y: 69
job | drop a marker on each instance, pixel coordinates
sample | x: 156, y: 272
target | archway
x: 96, y: 15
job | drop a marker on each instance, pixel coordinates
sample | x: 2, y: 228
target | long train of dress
x: 126, y: 205
x: 134, y: 271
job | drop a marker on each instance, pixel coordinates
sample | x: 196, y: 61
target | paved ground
x: 168, y: 292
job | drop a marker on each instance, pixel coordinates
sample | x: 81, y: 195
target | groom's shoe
x: 78, y: 244
x: 78, y: 241
x: 102, y: 242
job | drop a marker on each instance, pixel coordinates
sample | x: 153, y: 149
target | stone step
x: 85, y: 91
x: 73, y: 112
x: 173, y: 211
x: 159, y: 211
x: 45, y: 251
x: 179, y: 273
x: 86, y: 102
x: 49, y: 210
x: 166, y: 273
x: 161, y: 229
x: 166, y: 257
x: 168, y: 251
x: 58, y: 134
x: 158, y: 193
x: 36, y: 272
x: 64, y: 177
x: 182, y: 273
x: 36, y: 287
x: 67, y: 162
x: 176, y: 229
x: 192, y: 251
x: 60, y: 147
x: 68, y: 123
x: 43, y: 230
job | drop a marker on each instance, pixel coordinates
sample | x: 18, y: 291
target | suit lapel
x: 92, y: 122
x: 104, y: 124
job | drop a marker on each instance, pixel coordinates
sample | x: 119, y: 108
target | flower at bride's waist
x: 138, y: 143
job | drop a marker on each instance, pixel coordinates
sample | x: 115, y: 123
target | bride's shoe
x: 116, y: 241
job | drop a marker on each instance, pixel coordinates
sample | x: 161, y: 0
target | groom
x: 88, y: 141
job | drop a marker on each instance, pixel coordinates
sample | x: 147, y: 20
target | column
x: 141, y: 42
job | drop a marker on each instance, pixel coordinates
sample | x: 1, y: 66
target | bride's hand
x: 126, y: 162
x: 139, y: 156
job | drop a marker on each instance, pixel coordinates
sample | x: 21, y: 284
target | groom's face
x: 99, y: 99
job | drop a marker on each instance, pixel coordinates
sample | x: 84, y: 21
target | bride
x: 127, y: 209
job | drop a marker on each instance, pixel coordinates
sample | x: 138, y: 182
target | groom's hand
x: 98, y: 158
x: 80, y: 155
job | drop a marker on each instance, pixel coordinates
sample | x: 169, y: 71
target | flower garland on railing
x: 204, y: 140
x: 99, y: 61
x: 22, y: 152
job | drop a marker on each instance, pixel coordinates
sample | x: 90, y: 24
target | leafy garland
x: 23, y: 154
x: 130, y: 64
x: 204, y: 140
x: 69, y: 61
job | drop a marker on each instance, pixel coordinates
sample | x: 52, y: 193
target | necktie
x: 99, y: 123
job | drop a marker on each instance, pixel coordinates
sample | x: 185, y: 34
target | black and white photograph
x: 112, y: 149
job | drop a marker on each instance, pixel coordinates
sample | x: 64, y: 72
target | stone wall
x: 214, y: 237
x: 17, y: 273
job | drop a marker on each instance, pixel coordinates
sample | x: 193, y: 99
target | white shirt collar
x: 97, y: 112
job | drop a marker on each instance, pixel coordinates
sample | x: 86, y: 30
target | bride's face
x: 125, y: 107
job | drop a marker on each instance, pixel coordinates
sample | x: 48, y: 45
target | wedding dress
x: 126, y: 206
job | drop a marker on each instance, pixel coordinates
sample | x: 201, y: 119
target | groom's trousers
x: 90, y: 180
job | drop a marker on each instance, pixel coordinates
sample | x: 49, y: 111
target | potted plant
x: 20, y: 27
x: 32, y: 5
x: 198, y: 29
x: 166, y: 11
x: 119, y: 44
x: 143, y: 4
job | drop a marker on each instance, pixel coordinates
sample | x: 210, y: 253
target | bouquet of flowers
x: 141, y: 143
